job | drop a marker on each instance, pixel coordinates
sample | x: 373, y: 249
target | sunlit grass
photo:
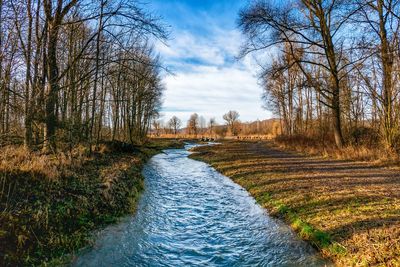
x: 376, y: 154
x: 349, y: 210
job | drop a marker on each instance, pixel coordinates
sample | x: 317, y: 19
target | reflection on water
x: 191, y: 215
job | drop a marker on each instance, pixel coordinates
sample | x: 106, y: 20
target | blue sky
x: 209, y: 80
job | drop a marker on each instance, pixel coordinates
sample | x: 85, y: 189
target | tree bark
x: 52, y: 90
x: 387, y: 66
x: 27, y: 109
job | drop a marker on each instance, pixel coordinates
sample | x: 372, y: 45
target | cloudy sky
x: 202, y: 50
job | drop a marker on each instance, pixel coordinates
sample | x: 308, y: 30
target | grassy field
x: 50, y: 204
x: 349, y: 210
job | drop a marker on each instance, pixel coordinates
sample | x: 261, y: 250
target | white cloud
x: 208, y: 79
x: 187, y: 47
x: 212, y: 91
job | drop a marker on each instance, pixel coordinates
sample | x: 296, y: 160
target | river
x: 191, y: 215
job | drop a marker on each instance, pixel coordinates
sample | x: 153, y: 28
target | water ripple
x: 191, y: 215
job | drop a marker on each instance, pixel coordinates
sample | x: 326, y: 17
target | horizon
x: 202, y: 53
x: 298, y: 167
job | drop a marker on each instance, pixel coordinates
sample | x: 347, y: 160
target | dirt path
x: 354, y: 206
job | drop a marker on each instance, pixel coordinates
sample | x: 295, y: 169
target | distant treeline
x: 76, y: 71
x: 197, y: 126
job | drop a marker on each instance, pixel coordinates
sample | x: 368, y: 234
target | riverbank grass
x: 348, y: 210
x: 319, y: 239
x: 51, y: 204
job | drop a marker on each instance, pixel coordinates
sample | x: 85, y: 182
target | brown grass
x: 349, y: 210
x: 376, y: 154
x: 49, y: 204
x: 49, y: 166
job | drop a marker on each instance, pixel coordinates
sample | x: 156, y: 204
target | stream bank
x: 51, y: 204
x: 191, y: 215
x: 348, y: 210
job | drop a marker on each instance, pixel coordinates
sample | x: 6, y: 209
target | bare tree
x: 174, y: 124
x: 315, y: 28
x: 89, y: 71
x: 231, y: 119
x: 157, y: 126
x: 381, y: 24
x: 54, y: 19
x: 193, y: 124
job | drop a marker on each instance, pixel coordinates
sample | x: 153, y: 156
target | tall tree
x: 89, y: 71
x: 316, y: 28
x: 54, y: 19
x: 381, y: 24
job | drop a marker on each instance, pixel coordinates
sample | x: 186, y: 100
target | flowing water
x: 191, y: 215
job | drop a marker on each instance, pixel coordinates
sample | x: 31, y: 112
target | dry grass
x: 49, y: 166
x: 49, y: 204
x: 349, y: 210
x: 375, y: 154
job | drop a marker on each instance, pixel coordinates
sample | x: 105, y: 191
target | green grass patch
x: 318, y: 238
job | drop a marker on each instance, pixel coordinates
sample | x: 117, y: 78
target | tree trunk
x: 52, y: 90
x: 337, y: 130
x: 27, y: 110
x: 96, y: 75
x: 387, y: 66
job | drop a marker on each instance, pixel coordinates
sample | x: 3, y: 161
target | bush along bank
x: 50, y: 204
